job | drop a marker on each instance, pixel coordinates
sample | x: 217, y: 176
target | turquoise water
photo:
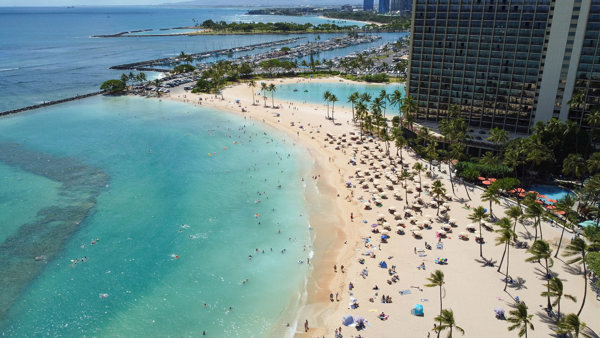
x: 127, y: 226
x: 551, y: 192
x: 312, y: 92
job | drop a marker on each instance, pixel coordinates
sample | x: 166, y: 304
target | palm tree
x: 593, y: 163
x: 326, y: 97
x: 571, y: 324
x: 498, y: 136
x: 519, y: 318
x: 405, y: 176
x: 396, y: 99
x: 479, y: 215
x: 555, y: 290
x: 333, y: 99
x: 515, y: 212
x: 593, y: 120
x: 541, y: 250
x: 578, y: 249
x: 264, y: 88
x: 491, y: 194
x: 383, y: 97
x: 409, y: 108
x: 353, y: 99
x: 565, y: 204
x: 252, y: 85
x: 418, y: 167
x: 535, y: 211
x: 438, y: 190
x: 437, y: 279
x: 400, y: 142
x: 446, y: 319
x: 272, y: 89
x: 574, y: 165
x: 506, y: 237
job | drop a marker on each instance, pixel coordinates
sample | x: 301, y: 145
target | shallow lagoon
x: 161, y: 229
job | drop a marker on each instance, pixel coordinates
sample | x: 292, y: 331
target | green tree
x: 565, y: 204
x: 436, y: 279
x: 396, y: 100
x: 555, y: 290
x: 400, y: 142
x: 418, y: 168
x: 405, y: 176
x: 479, y: 215
x: 446, y: 318
x: 535, y: 211
x: 353, y: 99
x: 498, y: 136
x: 326, y: 97
x: 252, y: 85
x: 515, y: 212
x: 264, y: 88
x: 438, y: 191
x: 519, y: 318
x: 491, y: 194
x: 333, y: 99
x: 506, y: 237
x: 574, y: 165
x: 272, y: 89
x: 539, y: 250
x: 571, y: 324
x: 113, y: 86
x: 578, y: 250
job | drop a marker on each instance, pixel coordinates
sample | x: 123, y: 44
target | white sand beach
x: 472, y: 290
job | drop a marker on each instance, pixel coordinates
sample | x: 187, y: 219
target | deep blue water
x: 48, y: 53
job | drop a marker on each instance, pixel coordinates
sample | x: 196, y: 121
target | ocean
x: 124, y: 216
x: 135, y: 213
x: 47, y: 53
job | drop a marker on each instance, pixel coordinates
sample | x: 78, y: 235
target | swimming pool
x: 550, y: 191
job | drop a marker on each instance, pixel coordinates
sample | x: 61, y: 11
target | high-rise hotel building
x: 504, y: 63
x: 368, y: 5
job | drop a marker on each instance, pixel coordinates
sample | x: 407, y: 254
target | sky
x: 82, y: 2
x: 49, y: 3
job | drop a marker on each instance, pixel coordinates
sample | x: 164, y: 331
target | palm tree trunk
x: 540, y: 225
x: 548, y: 284
x: 507, y: 260
x: 466, y: 190
x: 440, y: 307
x: 451, y: 181
x: 560, y: 241
x: 480, y: 241
x: 585, y: 289
x: 502, y: 260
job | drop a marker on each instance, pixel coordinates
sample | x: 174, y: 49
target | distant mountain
x: 268, y: 3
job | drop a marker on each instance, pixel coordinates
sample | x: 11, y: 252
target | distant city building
x: 347, y: 8
x: 368, y: 5
x: 505, y: 63
x: 403, y: 6
x: 384, y: 6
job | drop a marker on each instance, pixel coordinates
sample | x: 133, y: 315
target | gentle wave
x: 8, y: 69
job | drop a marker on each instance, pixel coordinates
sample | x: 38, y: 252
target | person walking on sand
x: 351, y: 217
x: 306, y: 326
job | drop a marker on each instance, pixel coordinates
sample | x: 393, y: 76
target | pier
x: 49, y: 103
x: 150, y: 65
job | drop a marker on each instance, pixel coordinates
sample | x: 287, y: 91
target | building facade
x: 403, y: 6
x: 504, y: 63
x: 368, y: 5
x: 384, y: 6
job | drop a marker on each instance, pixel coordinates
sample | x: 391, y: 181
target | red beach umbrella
x: 551, y: 200
x: 520, y: 190
x: 539, y: 202
x: 532, y: 192
x: 492, y: 179
x: 550, y: 207
x: 481, y: 178
x: 522, y: 194
x: 542, y: 196
x: 486, y: 182
x: 560, y: 212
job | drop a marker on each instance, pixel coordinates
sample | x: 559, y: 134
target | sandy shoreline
x: 471, y: 290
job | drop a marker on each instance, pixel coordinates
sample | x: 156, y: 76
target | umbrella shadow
x: 541, y: 272
x: 486, y: 262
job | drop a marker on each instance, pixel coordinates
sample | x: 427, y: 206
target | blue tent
x: 348, y: 320
x: 418, y: 310
x: 383, y: 264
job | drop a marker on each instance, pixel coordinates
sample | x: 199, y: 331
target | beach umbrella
x: 519, y: 190
x: 417, y: 233
x: 452, y: 221
x: 539, y: 202
x: 551, y: 200
x: 471, y: 226
x: 414, y: 228
x: 492, y: 179
x: 348, y: 320
x: 481, y: 178
x: 550, y: 207
x: 560, y: 212
x: 541, y: 196
x: 486, y: 182
x: 522, y: 194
